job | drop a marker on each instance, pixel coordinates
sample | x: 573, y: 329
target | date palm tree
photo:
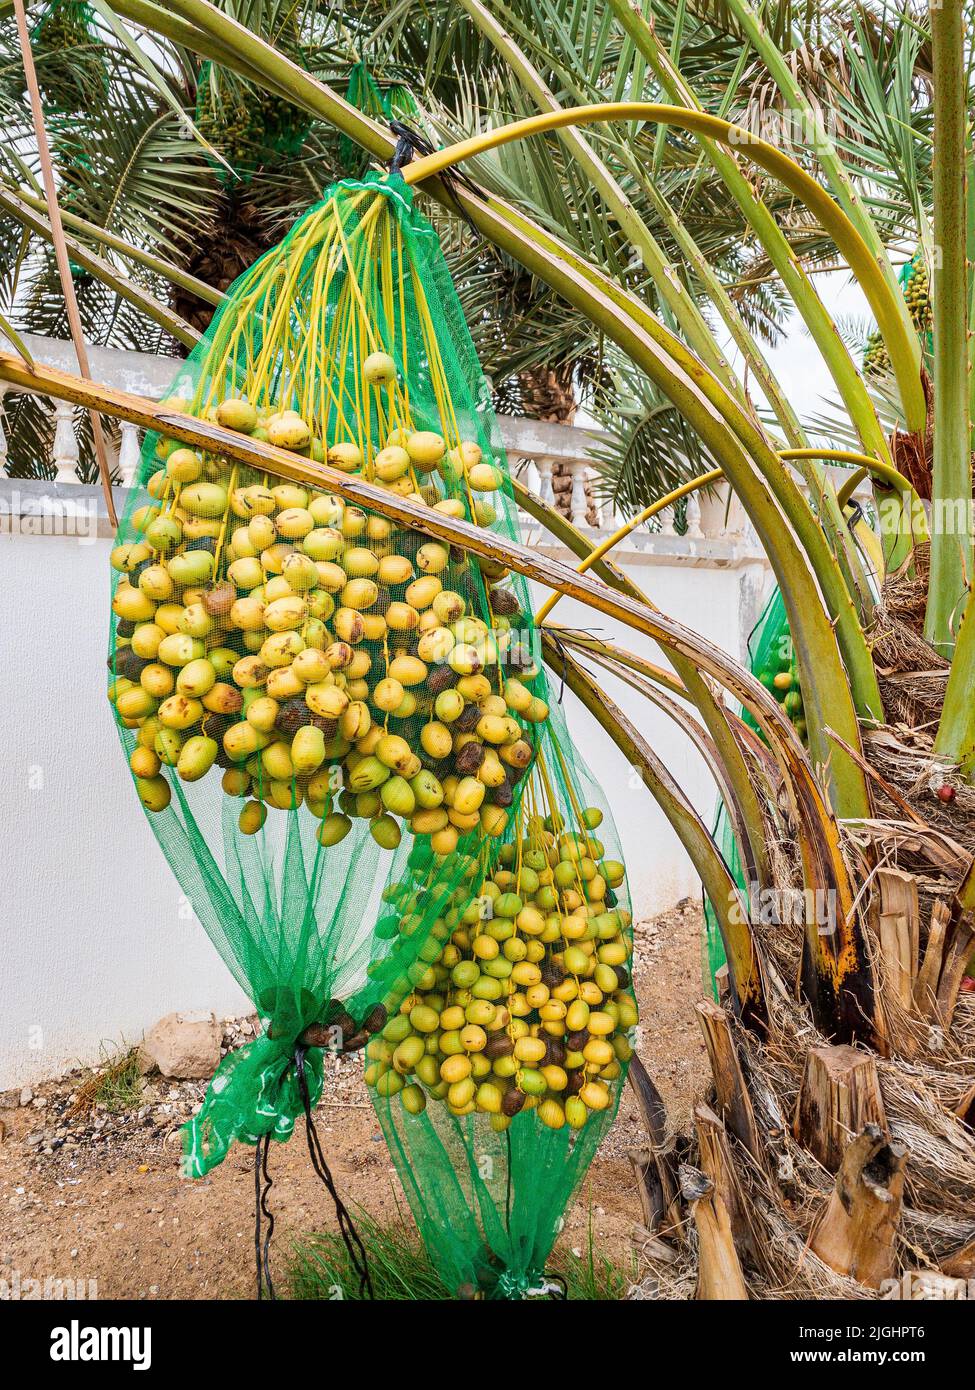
x: 605, y: 210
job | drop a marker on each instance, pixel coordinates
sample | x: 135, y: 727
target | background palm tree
x: 132, y: 160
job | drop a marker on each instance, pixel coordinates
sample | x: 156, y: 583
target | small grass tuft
x: 116, y: 1084
x: 401, y: 1270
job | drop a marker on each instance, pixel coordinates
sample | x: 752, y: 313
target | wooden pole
x: 60, y: 248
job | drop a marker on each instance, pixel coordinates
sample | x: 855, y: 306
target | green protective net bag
x: 71, y: 69
x: 63, y: 26
x: 772, y: 660
x: 499, y: 1077
x: 344, y: 741
x: 384, y: 102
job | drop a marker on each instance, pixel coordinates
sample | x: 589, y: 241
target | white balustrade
x: 129, y: 453
x: 66, y: 449
x: 693, y: 516
x: 545, y: 489
x: 535, y: 448
x: 578, y: 502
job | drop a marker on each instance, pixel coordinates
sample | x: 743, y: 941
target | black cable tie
x: 410, y: 141
x: 402, y: 154
x: 856, y: 513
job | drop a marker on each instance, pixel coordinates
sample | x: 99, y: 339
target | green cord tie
x: 254, y: 1093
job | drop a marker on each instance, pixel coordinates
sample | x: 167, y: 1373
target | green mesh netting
x: 384, y: 102
x: 346, y: 746
x: 63, y: 25
x: 488, y: 1191
x: 772, y: 659
x: 247, y: 126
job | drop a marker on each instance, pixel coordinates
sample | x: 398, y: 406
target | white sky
x: 797, y: 363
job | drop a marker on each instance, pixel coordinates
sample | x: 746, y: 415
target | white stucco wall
x: 720, y: 604
x: 97, y: 940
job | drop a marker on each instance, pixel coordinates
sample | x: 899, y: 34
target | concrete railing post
x: 545, y: 489
x: 578, y: 502
x: 129, y: 453
x: 66, y: 451
x: 693, y: 515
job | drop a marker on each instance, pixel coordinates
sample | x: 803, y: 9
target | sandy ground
x: 102, y: 1199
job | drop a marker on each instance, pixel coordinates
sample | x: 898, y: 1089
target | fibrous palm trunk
x: 237, y: 238
x: 853, y: 1169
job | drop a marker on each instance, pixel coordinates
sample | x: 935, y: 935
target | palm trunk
x: 236, y: 240
x: 951, y: 541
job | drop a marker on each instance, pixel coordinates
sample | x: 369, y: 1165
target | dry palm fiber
x: 782, y: 1196
x: 912, y: 674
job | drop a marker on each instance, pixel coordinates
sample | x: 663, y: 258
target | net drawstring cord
x: 560, y: 648
x: 533, y: 1284
x: 262, y: 1249
x: 409, y: 141
x: 554, y: 1286
x: 350, y: 1236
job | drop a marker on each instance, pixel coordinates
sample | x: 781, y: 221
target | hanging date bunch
x: 347, y: 747
x: 249, y: 127
x: 773, y: 659
x: 70, y: 60
x: 917, y: 293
